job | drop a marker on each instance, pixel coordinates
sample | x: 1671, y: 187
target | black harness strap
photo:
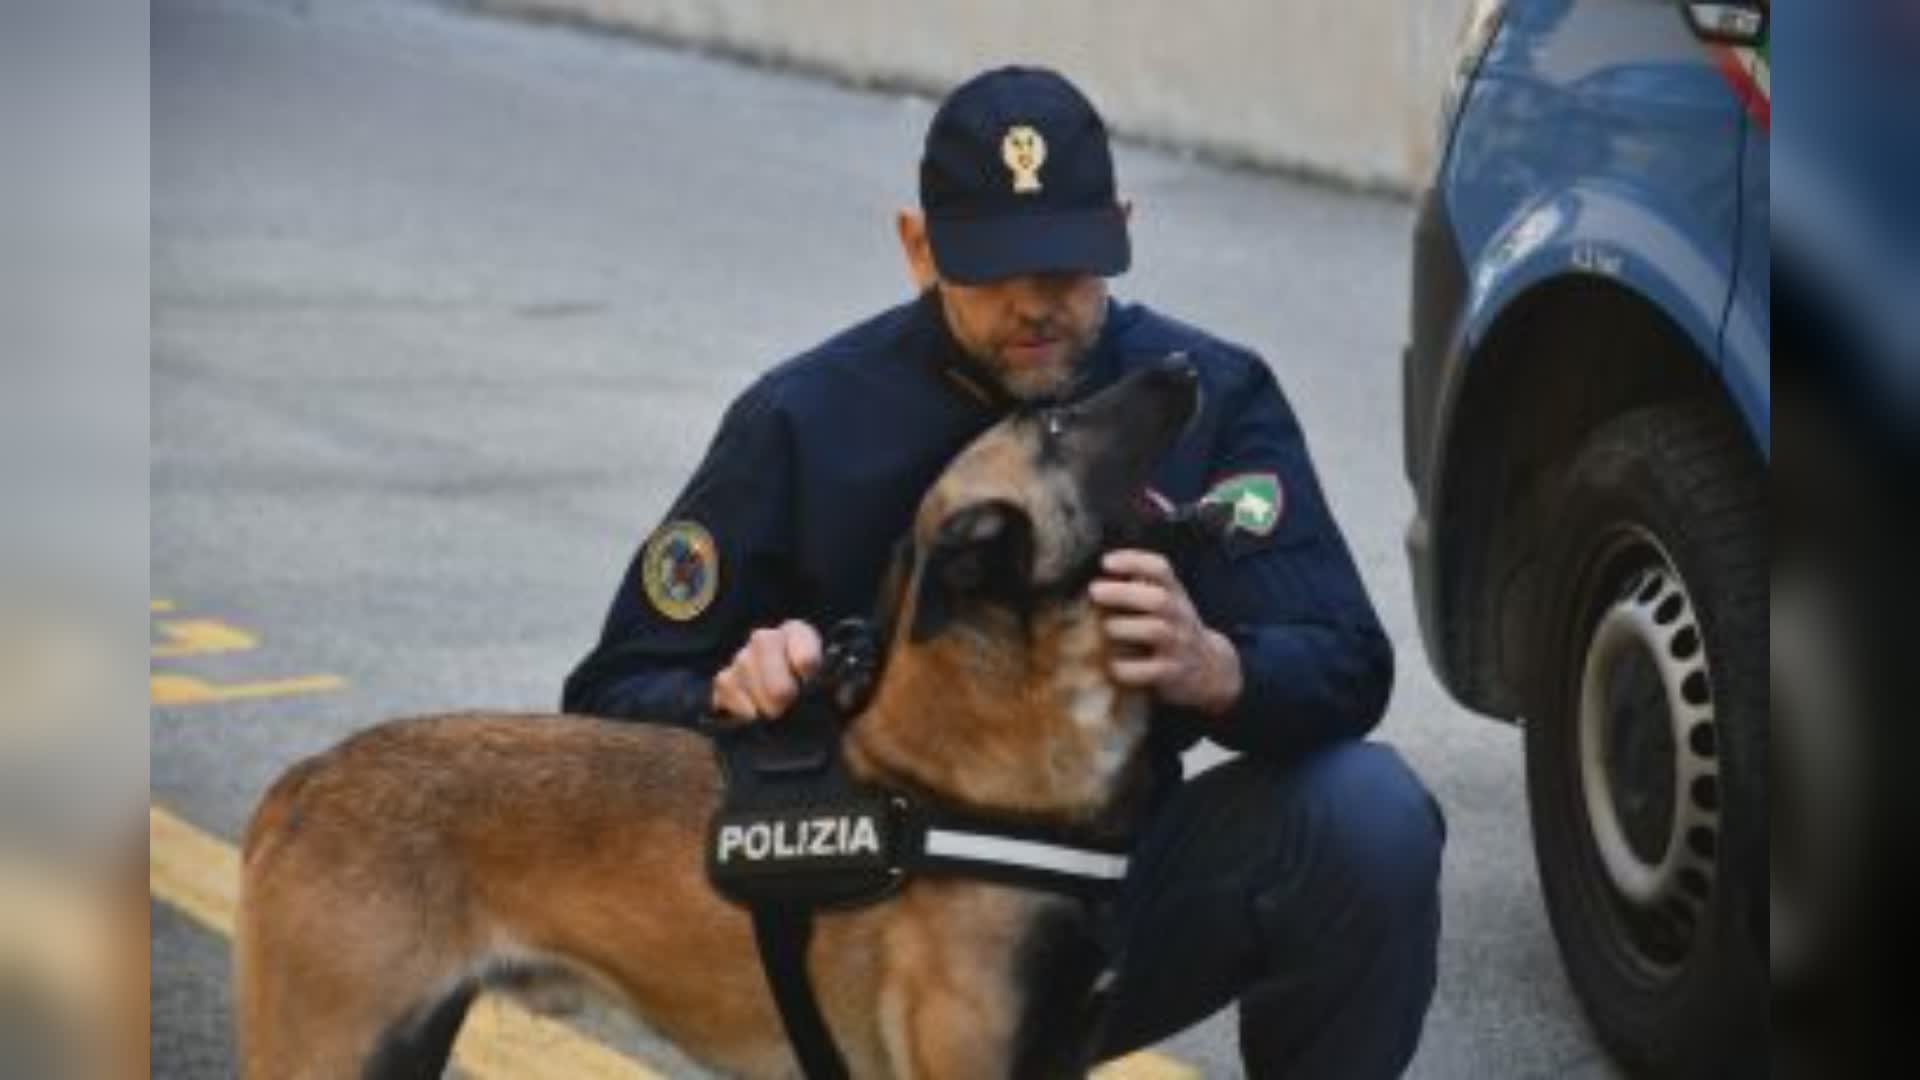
x: 783, y: 932
x: 788, y: 781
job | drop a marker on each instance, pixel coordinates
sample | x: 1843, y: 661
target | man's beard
x: 1039, y: 383
x: 1025, y: 383
x: 1054, y: 380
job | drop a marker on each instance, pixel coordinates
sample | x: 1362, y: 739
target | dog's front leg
x: 956, y: 973
x: 934, y: 1030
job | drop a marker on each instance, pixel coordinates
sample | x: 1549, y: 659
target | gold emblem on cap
x: 1024, y: 151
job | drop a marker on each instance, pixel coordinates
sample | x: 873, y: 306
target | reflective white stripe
x: 1028, y: 853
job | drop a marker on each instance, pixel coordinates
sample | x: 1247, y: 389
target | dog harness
x: 796, y: 833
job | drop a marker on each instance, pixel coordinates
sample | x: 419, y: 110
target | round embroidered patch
x: 680, y: 569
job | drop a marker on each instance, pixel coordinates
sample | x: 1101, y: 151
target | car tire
x: 1646, y: 745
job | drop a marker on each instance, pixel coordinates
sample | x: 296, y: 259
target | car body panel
x: 1746, y: 349
x: 1598, y: 139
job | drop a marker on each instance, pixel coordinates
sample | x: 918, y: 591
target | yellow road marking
x: 501, y: 1039
x: 199, y: 875
x: 192, y: 871
x: 170, y: 689
x: 159, y: 605
x: 197, y: 637
x: 1146, y: 1065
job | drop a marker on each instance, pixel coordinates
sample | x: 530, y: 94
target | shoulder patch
x: 680, y: 569
x: 1256, y: 499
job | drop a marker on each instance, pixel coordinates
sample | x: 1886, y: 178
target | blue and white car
x: 1587, y: 425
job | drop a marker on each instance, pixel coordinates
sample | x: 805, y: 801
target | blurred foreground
x: 1846, y: 227
x: 74, y: 535
x: 73, y: 539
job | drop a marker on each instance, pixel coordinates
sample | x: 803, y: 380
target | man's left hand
x: 1161, y: 643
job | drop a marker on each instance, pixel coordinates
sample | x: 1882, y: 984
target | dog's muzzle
x: 1172, y: 529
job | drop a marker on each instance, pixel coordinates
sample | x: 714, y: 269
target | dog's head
x: 1019, y: 520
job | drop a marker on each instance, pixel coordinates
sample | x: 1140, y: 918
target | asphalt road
x: 445, y: 307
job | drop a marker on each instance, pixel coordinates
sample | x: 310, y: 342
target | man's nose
x: 1048, y: 284
x: 1038, y: 296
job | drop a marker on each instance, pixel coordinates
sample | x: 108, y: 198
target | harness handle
x: 848, y: 664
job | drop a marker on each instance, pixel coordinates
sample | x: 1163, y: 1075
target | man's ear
x: 911, y: 226
x: 983, y: 555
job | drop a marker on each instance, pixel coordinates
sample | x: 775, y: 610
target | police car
x: 1587, y: 433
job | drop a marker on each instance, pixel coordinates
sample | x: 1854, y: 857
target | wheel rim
x: 1648, y: 752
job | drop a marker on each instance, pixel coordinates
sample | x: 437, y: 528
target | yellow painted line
x: 198, y: 637
x: 173, y: 690
x: 501, y: 1039
x: 192, y: 871
x: 199, y: 875
x: 161, y: 606
x: 1146, y: 1065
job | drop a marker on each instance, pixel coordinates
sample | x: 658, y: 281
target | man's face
x: 1030, y: 331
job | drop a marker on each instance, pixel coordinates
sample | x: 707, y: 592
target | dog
x: 389, y: 880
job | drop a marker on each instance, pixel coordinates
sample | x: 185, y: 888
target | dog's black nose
x: 1176, y: 381
x: 1177, y: 368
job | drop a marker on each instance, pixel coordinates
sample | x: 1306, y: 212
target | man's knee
x: 1349, y: 919
x: 1373, y: 834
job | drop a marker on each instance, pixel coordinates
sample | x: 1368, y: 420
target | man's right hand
x: 766, y: 673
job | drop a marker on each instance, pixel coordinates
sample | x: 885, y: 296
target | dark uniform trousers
x: 1299, y: 878
x: 1309, y: 892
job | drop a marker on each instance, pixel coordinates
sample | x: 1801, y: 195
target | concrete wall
x: 1341, y: 88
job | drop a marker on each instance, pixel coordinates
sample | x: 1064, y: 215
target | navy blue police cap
x: 1017, y: 178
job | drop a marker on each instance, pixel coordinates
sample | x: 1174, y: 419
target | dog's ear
x: 893, y: 587
x: 983, y: 554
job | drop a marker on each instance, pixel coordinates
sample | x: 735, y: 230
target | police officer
x: 1299, y: 877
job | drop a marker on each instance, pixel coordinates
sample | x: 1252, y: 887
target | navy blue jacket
x: 818, y: 467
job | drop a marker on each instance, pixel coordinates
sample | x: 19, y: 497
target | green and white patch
x: 1255, y: 498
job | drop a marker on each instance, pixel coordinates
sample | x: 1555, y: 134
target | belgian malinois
x: 390, y: 879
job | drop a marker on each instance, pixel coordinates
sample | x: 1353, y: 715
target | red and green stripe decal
x: 1746, y: 68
